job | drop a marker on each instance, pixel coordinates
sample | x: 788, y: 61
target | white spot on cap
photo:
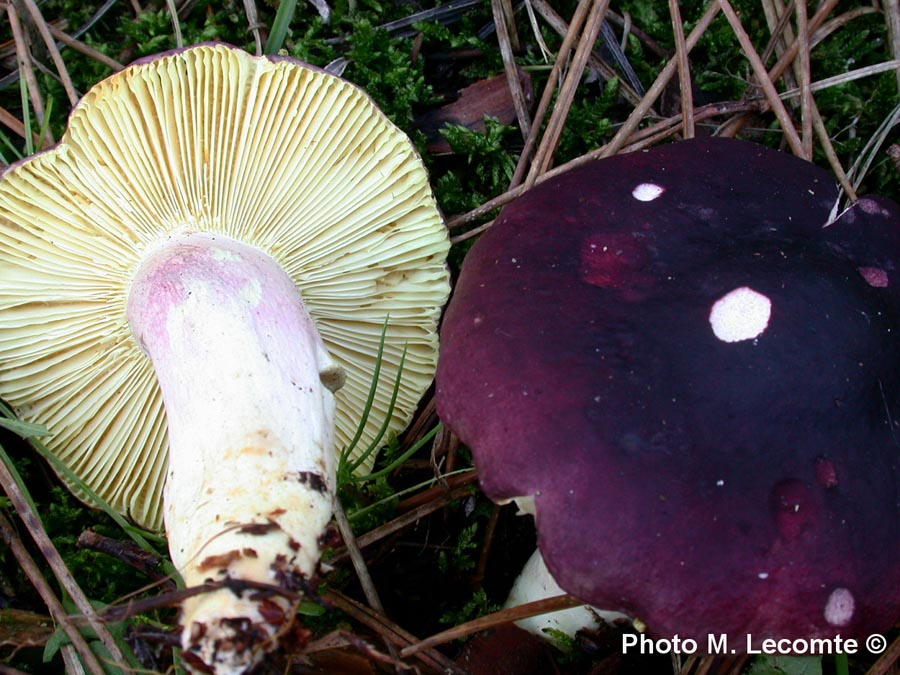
x: 741, y: 314
x: 647, y: 192
x: 840, y: 607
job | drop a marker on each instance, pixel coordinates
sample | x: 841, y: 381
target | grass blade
x: 283, y: 18
x: 376, y: 442
x: 344, y: 460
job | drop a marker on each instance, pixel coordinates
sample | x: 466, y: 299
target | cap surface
x: 271, y: 152
x: 698, y: 382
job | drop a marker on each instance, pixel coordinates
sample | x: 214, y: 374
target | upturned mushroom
x: 193, y: 287
x: 690, y: 364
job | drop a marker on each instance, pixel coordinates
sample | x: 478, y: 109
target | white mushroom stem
x: 247, y: 385
x: 536, y: 583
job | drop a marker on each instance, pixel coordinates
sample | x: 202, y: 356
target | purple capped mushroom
x: 690, y: 364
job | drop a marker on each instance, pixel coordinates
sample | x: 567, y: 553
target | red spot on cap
x: 826, y: 473
x: 614, y: 260
x: 875, y: 276
x: 792, y: 508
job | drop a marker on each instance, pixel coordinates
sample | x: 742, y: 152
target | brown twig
x: 494, y: 619
x: 640, y: 139
x: 15, y: 125
x: 887, y: 660
x: 618, y: 141
x: 790, y: 54
x: 421, y: 425
x: 828, y: 27
x: 505, y: 31
x: 662, y: 80
x: 126, y: 608
x: 176, y: 23
x: 43, y: 588
x: 148, y: 564
x: 805, y: 81
x: 556, y: 22
x: 342, y: 639
x: 359, y: 563
x: 684, y: 72
x: 556, y: 72
x: 407, y: 519
x: 650, y: 135
x: 811, y: 118
x: 847, y: 76
x: 398, y: 636
x: 624, y: 21
x: 36, y: 529
x: 449, y: 445
x: 566, y: 96
x: 762, y: 76
x: 27, y: 67
x: 892, y: 19
x: 255, y: 26
x: 44, y: 30
x: 446, y: 487
x: 778, y: 18
x: 830, y: 153
x: 356, y: 557
x: 486, y: 547
x: 81, y: 47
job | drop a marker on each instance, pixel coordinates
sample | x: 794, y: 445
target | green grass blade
x: 412, y: 450
x: 841, y: 664
x: 376, y: 442
x: 17, y: 477
x: 13, y: 150
x: 359, y: 513
x: 26, y: 112
x: 42, y: 134
x: 24, y: 429
x: 283, y: 18
x: 343, y: 462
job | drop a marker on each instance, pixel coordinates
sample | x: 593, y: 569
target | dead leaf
x: 486, y: 97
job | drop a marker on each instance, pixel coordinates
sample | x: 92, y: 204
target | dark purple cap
x: 696, y: 376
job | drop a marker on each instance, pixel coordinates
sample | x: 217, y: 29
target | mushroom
x: 186, y: 280
x: 536, y: 583
x: 693, y: 373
